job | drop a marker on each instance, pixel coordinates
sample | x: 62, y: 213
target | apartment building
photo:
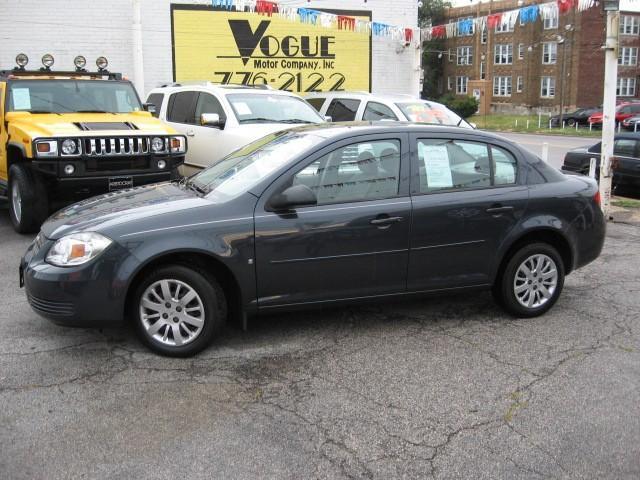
x: 539, y: 66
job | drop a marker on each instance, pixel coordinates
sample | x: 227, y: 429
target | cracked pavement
x: 446, y: 387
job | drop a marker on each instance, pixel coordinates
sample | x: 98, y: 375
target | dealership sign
x: 231, y: 47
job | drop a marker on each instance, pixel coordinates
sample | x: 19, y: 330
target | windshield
x: 423, y: 112
x: 244, y: 168
x: 67, y: 96
x: 266, y: 108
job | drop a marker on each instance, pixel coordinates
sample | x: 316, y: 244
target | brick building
x: 539, y: 66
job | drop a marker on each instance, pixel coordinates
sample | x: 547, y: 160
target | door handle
x: 190, y: 133
x: 498, y: 209
x: 381, y: 221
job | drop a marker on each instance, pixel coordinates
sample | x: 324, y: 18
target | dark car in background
x: 570, y: 119
x: 317, y: 216
x: 626, y: 164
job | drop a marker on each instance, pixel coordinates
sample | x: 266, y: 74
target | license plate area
x: 119, y: 183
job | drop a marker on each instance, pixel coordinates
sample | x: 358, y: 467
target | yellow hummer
x: 68, y: 135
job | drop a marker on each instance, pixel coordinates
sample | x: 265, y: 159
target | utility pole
x: 609, y: 102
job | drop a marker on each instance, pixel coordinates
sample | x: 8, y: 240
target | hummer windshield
x: 72, y: 96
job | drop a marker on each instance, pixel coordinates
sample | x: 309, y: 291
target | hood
x: 67, y: 124
x: 118, y: 208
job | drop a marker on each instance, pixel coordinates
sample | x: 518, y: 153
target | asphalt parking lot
x: 443, y: 388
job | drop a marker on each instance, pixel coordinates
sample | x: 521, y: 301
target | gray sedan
x: 316, y: 216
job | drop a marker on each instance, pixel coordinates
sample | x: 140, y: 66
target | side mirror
x: 149, y: 107
x: 295, y: 196
x: 328, y: 118
x: 211, y: 120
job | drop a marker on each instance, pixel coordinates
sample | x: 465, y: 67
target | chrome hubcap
x: 172, y: 312
x: 16, y: 201
x: 535, y: 281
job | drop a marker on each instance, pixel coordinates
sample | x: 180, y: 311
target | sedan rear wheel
x: 571, y: 122
x: 532, y: 280
x: 178, y: 309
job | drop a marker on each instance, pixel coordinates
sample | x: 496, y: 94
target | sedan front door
x: 354, y: 242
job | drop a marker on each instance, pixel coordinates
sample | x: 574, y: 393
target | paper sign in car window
x: 21, y: 99
x: 436, y: 164
x: 242, y: 108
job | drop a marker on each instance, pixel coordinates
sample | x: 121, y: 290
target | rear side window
x: 181, y: 106
x: 316, y: 103
x: 635, y: 108
x: 343, y: 110
x: 625, y: 147
x: 462, y: 165
x: 378, y: 111
x: 156, y: 99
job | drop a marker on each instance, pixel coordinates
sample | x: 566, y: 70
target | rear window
x: 343, y: 109
x: 423, y: 112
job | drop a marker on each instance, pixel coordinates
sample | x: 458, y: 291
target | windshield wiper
x: 295, y: 120
x: 259, y: 120
x: 91, y: 111
x: 196, y: 187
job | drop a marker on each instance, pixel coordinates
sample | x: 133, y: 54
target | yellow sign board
x: 232, y: 47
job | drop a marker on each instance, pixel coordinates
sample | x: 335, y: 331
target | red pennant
x: 265, y: 7
x: 565, y: 5
x: 408, y: 35
x: 494, y: 20
x: 346, y: 23
x: 439, y: 31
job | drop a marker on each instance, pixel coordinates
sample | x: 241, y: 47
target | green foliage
x: 463, y: 106
x: 432, y: 13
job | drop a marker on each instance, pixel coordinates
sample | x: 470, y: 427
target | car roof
x: 375, y: 97
x: 220, y: 88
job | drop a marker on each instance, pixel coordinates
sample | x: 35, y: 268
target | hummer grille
x: 113, y: 146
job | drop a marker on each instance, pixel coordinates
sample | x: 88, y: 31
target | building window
x: 483, y: 37
x: 547, y: 87
x: 629, y: 25
x: 504, y: 27
x: 519, y: 84
x: 483, y: 73
x: 550, y: 22
x: 461, y: 85
x: 549, y: 53
x: 628, y: 56
x: 626, y: 87
x: 501, y: 86
x: 467, y: 33
x: 449, y: 83
x: 503, y: 54
x: 465, y: 55
x: 450, y: 55
x: 520, y: 51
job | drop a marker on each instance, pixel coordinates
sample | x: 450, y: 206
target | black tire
x: 571, y: 122
x: 34, y: 205
x: 209, y: 293
x: 504, y: 289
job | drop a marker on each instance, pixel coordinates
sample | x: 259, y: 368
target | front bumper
x: 88, y: 295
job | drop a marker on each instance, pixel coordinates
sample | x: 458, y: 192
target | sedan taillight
x: 597, y: 199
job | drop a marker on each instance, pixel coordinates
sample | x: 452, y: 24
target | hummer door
x: 4, y: 138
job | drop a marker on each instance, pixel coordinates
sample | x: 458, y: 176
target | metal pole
x: 564, y: 75
x: 609, y: 108
x: 138, y: 66
x: 545, y: 152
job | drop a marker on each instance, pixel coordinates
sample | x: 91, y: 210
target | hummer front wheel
x: 28, y: 205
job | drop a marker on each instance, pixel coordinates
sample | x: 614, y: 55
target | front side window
x: 181, y: 107
x: 503, y: 54
x: 378, y: 111
x: 72, y: 96
x: 626, y: 87
x: 625, y: 147
x: 465, y: 55
x: 243, y: 169
x: 357, y: 172
x: 343, y: 109
x: 549, y: 53
x: 316, y: 103
x: 271, y: 108
x: 501, y: 86
x: 628, y: 56
x: 461, y: 165
x: 461, y: 85
x: 207, y: 103
x: 547, y: 87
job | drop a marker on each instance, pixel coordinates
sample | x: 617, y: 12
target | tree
x: 432, y: 12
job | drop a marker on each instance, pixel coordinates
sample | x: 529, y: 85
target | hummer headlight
x: 69, y: 147
x: 77, y: 248
x: 157, y: 144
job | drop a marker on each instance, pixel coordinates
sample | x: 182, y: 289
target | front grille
x: 106, y: 164
x: 112, y: 146
x: 51, y: 307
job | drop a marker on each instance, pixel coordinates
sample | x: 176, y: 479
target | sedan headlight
x: 178, y: 144
x: 77, y: 248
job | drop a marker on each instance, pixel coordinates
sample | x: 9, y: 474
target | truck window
x: 343, y: 110
x: 181, y: 106
x: 316, y: 103
x: 156, y: 99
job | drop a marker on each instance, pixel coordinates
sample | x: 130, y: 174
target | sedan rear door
x: 467, y: 196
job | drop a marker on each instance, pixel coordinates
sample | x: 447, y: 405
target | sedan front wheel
x: 178, y: 310
x: 532, y: 280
